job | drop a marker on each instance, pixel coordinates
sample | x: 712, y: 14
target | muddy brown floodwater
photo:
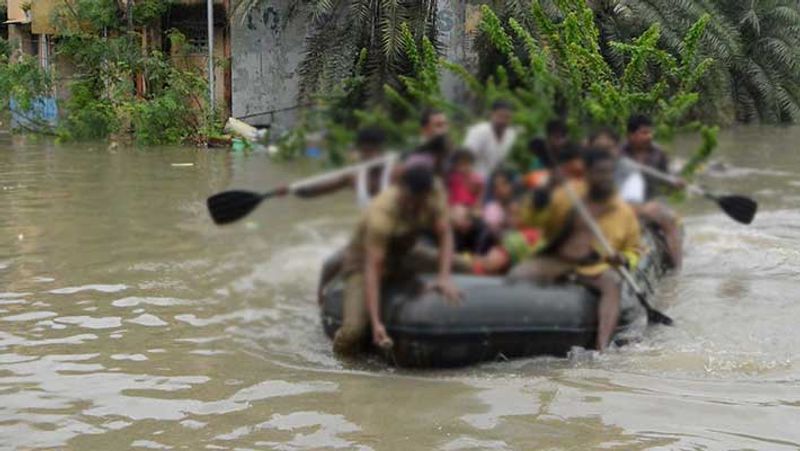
x: 128, y: 320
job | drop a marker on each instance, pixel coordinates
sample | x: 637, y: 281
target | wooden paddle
x: 740, y: 208
x: 230, y: 206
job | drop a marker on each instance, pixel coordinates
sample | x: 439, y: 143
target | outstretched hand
x: 448, y: 289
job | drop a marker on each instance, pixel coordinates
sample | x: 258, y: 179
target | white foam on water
x: 90, y: 322
x: 147, y: 319
x: 29, y: 316
x: 98, y: 288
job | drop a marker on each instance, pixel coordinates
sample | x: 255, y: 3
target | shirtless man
x: 571, y: 250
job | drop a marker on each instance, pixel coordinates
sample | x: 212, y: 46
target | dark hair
x: 538, y: 147
x: 418, y: 179
x: 570, y: 152
x: 427, y: 114
x: 608, y: 131
x: 438, y: 145
x: 556, y: 127
x: 594, y: 155
x: 462, y: 155
x: 638, y: 121
x: 505, y: 173
x: 370, y: 136
x: 502, y: 105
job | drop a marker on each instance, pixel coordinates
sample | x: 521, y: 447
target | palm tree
x: 342, y: 28
x: 766, y: 73
x: 754, y: 44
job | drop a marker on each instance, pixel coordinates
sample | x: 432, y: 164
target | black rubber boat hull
x: 496, y: 320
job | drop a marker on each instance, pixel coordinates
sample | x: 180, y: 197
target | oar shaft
x: 655, y: 173
x: 669, y: 178
x: 328, y: 176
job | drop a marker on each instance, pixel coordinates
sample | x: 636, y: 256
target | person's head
x: 416, y: 186
x: 570, y: 162
x: 369, y: 142
x: 462, y: 161
x: 640, y: 132
x: 605, y: 138
x: 537, y: 147
x: 433, y: 123
x: 600, y: 166
x: 501, y: 115
x: 502, y: 185
x: 438, y: 147
x: 556, y: 135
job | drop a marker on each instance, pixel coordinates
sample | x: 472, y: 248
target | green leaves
x: 23, y: 80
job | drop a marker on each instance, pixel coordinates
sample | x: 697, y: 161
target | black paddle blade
x: 653, y: 315
x: 231, y: 206
x: 656, y: 317
x: 740, y: 208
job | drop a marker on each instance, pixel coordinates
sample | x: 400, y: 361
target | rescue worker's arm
x: 373, y: 272
x: 444, y: 283
x: 445, y: 235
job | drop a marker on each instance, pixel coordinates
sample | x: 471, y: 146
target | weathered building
x: 32, y: 31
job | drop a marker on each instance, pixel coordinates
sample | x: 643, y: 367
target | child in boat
x: 464, y: 185
x: 502, y: 190
x: 513, y: 245
x: 505, y: 241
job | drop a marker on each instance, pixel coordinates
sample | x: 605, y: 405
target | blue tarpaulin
x: 41, y: 116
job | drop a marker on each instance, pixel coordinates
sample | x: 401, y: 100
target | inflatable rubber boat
x: 496, y: 320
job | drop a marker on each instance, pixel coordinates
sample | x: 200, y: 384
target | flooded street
x: 127, y: 319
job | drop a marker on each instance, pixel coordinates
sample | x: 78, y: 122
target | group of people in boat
x: 444, y: 209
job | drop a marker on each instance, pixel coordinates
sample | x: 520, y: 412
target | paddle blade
x: 656, y: 317
x: 230, y: 206
x: 740, y: 208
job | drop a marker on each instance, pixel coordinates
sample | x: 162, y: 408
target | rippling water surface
x: 128, y: 320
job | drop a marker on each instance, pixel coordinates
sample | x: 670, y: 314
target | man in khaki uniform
x: 385, y: 235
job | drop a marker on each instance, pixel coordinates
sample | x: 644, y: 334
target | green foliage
x: 703, y: 153
x: 5, y: 48
x: 23, y: 80
x: 561, y: 70
x: 89, y: 118
x: 754, y: 43
x: 343, y: 27
x: 173, y: 108
x: 148, y: 11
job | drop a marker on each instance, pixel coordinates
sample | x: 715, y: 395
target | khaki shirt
x: 385, y: 225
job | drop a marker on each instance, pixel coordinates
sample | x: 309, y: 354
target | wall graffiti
x: 264, y: 15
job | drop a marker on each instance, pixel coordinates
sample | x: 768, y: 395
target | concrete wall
x: 268, y: 44
x: 266, y: 49
x: 456, y: 26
